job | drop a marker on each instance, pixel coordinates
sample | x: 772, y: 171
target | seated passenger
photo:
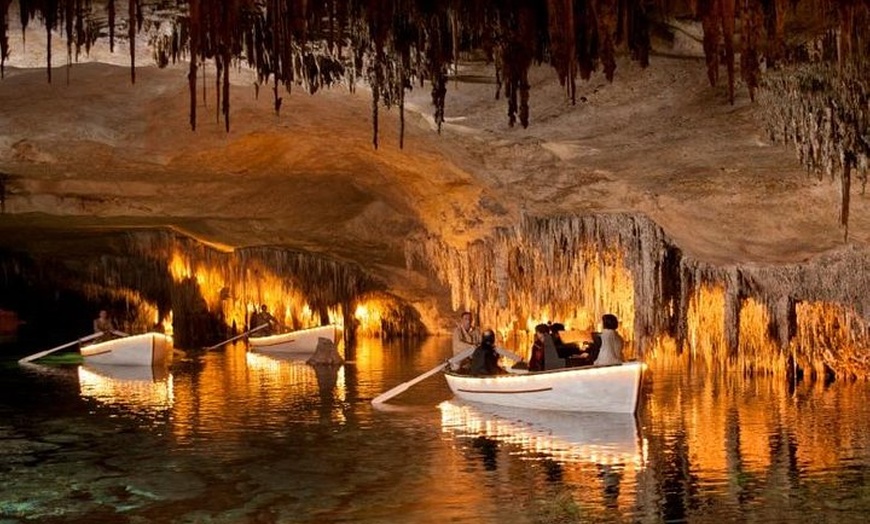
x: 551, y: 356
x: 536, y: 358
x: 564, y: 349
x: 484, y: 360
x: 611, y: 342
x: 590, y: 351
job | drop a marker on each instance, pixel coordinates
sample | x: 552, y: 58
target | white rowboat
x: 605, y: 389
x: 147, y: 349
x: 302, y: 341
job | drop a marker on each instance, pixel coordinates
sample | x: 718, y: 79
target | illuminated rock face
x: 573, y: 270
x: 563, y: 269
x: 655, y: 196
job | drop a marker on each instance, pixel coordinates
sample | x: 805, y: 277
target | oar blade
x: 41, y: 354
x: 246, y: 333
x: 401, y: 388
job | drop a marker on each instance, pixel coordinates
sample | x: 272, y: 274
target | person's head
x: 487, y: 338
x: 541, y: 330
x: 556, y: 328
x: 466, y: 319
x: 609, y: 321
x: 264, y: 308
x: 103, y: 313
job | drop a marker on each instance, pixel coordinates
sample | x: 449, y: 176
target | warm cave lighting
x: 236, y: 288
x: 274, y: 373
x: 368, y: 317
x: 139, y: 388
x: 164, y: 323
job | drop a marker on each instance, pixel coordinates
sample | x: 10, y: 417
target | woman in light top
x: 611, y: 342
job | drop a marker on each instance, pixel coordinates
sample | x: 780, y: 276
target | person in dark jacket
x: 484, y: 360
x: 536, y: 359
x: 564, y: 349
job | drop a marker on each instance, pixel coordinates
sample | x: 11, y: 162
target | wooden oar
x: 246, y: 333
x: 383, y: 397
x: 58, y: 348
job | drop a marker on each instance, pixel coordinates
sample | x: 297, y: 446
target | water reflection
x: 597, y: 438
x: 138, y: 388
x: 246, y: 437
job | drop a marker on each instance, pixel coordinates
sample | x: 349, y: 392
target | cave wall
x: 813, y: 315
x: 202, y: 294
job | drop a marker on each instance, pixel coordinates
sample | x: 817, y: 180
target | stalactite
x: 194, y: 52
x: 110, y: 9
x: 728, y: 18
x: 563, y: 44
x: 298, y: 42
x: 4, y: 38
x: 132, y: 12
x: 573, y: 269
x: 752, y: 25
x: 606, y: 18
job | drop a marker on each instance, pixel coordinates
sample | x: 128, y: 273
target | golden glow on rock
x: 830, y: 335
x: 236, y: 291
x: 706, y: 323
x: 757, y: 348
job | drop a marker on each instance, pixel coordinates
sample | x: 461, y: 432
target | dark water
x: 235, y: 437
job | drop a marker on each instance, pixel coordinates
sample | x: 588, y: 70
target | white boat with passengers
x: 607, y: 389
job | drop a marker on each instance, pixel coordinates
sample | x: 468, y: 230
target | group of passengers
x: 548, y: 351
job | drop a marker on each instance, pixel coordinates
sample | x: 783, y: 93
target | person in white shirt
x: 465, y: 336
x: 611, y: 342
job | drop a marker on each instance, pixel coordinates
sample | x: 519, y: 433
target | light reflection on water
x: 232, y: 436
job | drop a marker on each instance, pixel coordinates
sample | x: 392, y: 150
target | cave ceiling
x: 440, y: 117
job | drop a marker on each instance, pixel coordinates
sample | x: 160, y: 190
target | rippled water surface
x: 231, y: 436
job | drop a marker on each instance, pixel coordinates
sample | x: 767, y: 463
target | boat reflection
x: 144, y: 388
x: 283, y: 369
x: 599, y: 438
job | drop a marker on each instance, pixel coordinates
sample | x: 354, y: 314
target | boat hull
x: 302, y: 341
x: 147, y: 349
x: 605, y: 389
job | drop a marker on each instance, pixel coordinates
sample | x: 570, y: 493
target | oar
x: 58, y: 348
x: 383, y: 397
x: 509, y: 354
x: 246, y: 333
